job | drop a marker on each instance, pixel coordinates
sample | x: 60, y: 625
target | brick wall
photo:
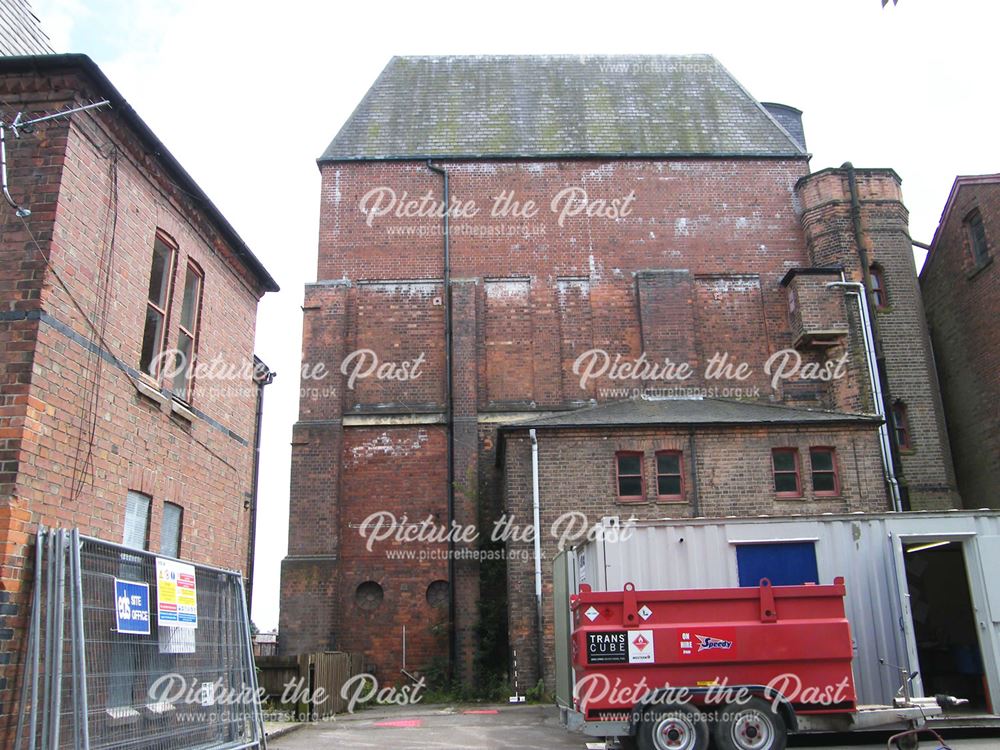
x: 826, y: 216
x: 726, y: 472
x: 692, y: 270
x: 78, y: 435
x: 961, y: 300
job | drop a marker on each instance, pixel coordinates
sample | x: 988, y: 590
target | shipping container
x: 923, y: 589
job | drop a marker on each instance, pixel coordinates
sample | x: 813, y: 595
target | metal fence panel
x: 139, y: 683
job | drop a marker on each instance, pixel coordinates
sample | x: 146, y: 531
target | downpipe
x: 536, y: 511
x: 857, y: 290
x: 449, y: 417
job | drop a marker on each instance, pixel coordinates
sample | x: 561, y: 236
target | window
x: 785, y: 466
x: 823, y: 462
x: 901, y: 425
x: 156, y: 306
x: 368, y: 595
x: 878, y: 287
x: 977, y: 238
x: 669, y: 482
x: 187, y: 338
x: 170, y: 531
x: 782, y: 563
x: 136, y: 533
x: 629, y: 475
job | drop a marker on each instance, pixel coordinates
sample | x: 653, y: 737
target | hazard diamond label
x: 591, y: 614
x: 645, y: 613
x: 640, y: 646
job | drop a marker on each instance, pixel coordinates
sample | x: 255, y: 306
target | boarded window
x: 170, y: 534
x: 136, y: 533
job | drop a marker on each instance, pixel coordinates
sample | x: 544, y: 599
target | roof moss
x: 557, y: 106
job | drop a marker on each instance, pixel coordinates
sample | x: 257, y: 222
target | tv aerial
x: 19, y: 125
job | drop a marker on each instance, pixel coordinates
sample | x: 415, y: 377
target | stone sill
x: 180, y: 410
x: 150, y: 391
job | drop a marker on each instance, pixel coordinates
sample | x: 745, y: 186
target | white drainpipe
x: 539, y: 659
x: 857, y: 289
x: 538, y: 523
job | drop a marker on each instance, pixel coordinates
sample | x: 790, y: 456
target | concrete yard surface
x: 473, y: 727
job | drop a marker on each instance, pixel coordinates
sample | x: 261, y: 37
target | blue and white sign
x: 132, y: 607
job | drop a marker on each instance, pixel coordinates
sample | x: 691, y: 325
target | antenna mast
x: 16, y: 126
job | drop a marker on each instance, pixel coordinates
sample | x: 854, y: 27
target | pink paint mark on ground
x: 482, y: 711
x: 404, y: 723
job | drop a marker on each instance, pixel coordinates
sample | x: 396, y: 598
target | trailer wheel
x: 753, y: 725
x: 673, y: 726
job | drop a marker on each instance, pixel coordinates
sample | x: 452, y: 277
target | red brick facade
x: 691, y: 266
x: 76, y: 433
x: 961, y: 288
x: 726, y: 472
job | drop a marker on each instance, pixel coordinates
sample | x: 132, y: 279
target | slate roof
x: 689, y: 411
x: 558, y: 106
x: 20, y: 32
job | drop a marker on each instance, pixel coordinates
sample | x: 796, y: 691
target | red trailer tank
x: 703, y: 645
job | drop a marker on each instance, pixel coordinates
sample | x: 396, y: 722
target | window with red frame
x: 628, y: 475
x: 823, y: 462
x: 669, y: 479
x: 785, y: 467
x: 901, y: 424
x: 878, y: 287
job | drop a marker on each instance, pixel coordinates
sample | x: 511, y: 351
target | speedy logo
x: 708, y: 643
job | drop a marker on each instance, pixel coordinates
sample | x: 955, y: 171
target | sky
x: 247, y: 95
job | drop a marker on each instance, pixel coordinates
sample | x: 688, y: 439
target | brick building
x: 961, y: 288
x: 122, y: 260
x: 512, y: 243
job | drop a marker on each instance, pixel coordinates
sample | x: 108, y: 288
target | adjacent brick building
x: 961, y: 289
x: 122, y: 259
x: 498, y: 237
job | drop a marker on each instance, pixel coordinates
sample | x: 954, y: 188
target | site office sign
x: 176, y: 594
x: 131, y: 607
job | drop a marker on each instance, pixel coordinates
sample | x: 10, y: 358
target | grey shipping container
x: 923, y: 589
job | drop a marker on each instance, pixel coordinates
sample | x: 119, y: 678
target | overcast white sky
x: 248, y: 94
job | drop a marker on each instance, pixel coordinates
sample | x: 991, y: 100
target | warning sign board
x: 640, y: 646
x: 176, y: 594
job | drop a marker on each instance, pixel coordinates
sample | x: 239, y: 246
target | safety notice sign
x: 176, y: 594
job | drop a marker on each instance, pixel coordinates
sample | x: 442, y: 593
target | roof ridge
x: 787, y: 407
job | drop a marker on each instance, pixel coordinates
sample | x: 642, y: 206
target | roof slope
x: 20, y: 32
x: 960, y: 182
x: 558, y: 106
x: 689, y: 411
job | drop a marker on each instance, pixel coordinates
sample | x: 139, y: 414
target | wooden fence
x: 327, y: 671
